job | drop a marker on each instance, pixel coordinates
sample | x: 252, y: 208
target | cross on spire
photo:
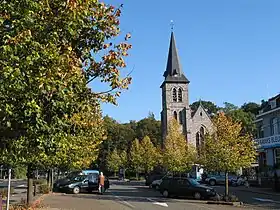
x: 172, y: 25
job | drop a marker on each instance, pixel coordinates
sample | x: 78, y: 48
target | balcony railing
x: 268, y: 141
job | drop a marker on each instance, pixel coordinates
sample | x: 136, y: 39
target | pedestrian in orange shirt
x: 101, y: 183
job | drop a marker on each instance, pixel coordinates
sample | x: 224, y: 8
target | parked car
x: 156, y: 183
x: 185, y: 187
x: 69, y: 176
x: 83, y: 183
x: 219, y: 179
x: 151, y: 177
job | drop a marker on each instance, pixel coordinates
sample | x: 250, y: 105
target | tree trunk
x: 115, y: 174
x: 49, y: 178
x: 29, y: 185
x: 137, y: 175
x: 226, y: 185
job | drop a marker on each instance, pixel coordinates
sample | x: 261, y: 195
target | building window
x: 277, y: 156
x: 175, y: 115
x: 202, y: 133
x: 174, y: 95
x: 180, y: 96
x: 262, y: 159
x: 197, y: 140
x: 260, y: 132
x: 274, y: 126
x: 181, y: 116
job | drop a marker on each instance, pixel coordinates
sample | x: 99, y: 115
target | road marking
x: 124, y: 202
x: 266, y: 200
x: 157, y: 203
x: 263, y: 199
x: 121, y: 200
x: 196, y: 205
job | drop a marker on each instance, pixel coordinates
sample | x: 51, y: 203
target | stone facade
x: 175, y: 102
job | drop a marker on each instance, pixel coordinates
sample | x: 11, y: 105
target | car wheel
x: 76, y: 190
x: 197, y: 195
x: 165, y: 193
x: 157, y: 187
x: 212, y: 182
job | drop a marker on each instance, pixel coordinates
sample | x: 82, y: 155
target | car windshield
x: 193, y: 182
x: 78, y: 178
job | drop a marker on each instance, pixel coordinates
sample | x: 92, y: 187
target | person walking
x: 101, y: 183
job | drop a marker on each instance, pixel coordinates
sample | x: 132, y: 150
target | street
x: 131, y: 196
x: 134, y: 195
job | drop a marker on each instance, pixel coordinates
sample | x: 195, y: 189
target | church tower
x: 175, y: 93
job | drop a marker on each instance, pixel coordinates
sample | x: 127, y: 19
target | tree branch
x: 108, y: 91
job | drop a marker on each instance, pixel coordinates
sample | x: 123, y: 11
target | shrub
x: 229, y: 198
x: 4, y: 192
x: 20, y: 172
x: 24, y: 206
x: 39, y: 181
x: 43, y: 189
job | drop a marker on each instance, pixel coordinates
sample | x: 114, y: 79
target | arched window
x: 174, y: 95
x: 175, y: 115
x: 202, y: 133
x: 181, y: 117
x: 197, y: 142
x: 180, y: 97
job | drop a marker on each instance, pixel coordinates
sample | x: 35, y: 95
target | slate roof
x: 266, y: 105
x: 174, y: 72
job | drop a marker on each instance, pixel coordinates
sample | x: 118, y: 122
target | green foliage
x: 114, y: 161
x: 123, y: 159
x: 121, y: 136
x: 227, y: 149
x: 178, y: 156
x: 48, y: 115
x: 136, y: 157
x: 20, y: 172
x: 151, y: 127
x: 150, y: 155
x: 251, y: 107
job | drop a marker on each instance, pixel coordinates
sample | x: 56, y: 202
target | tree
x: 245, y: 118
x: 251, y: 107
x: 136, y: 157
x: 149, y: 154
x: 178, y: 156
x: 229, y: 107
x: 227, y: 149
x: 208, y: 105
x: 151, y: 127
x: 114, y: 161
x: 48, y: 56
x: 124, y: 161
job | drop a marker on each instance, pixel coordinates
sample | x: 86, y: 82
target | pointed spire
x: 173, y: 72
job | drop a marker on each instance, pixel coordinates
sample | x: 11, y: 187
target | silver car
x: 219, y: 179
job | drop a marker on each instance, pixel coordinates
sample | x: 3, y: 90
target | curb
x: 224, y: 203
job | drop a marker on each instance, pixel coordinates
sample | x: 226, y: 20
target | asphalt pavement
x: 126, y: 196
x: 253, y: 197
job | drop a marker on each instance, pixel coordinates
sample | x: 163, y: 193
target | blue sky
x: 229, y: 50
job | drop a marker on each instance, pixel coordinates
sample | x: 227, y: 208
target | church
x: 194, y: 124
